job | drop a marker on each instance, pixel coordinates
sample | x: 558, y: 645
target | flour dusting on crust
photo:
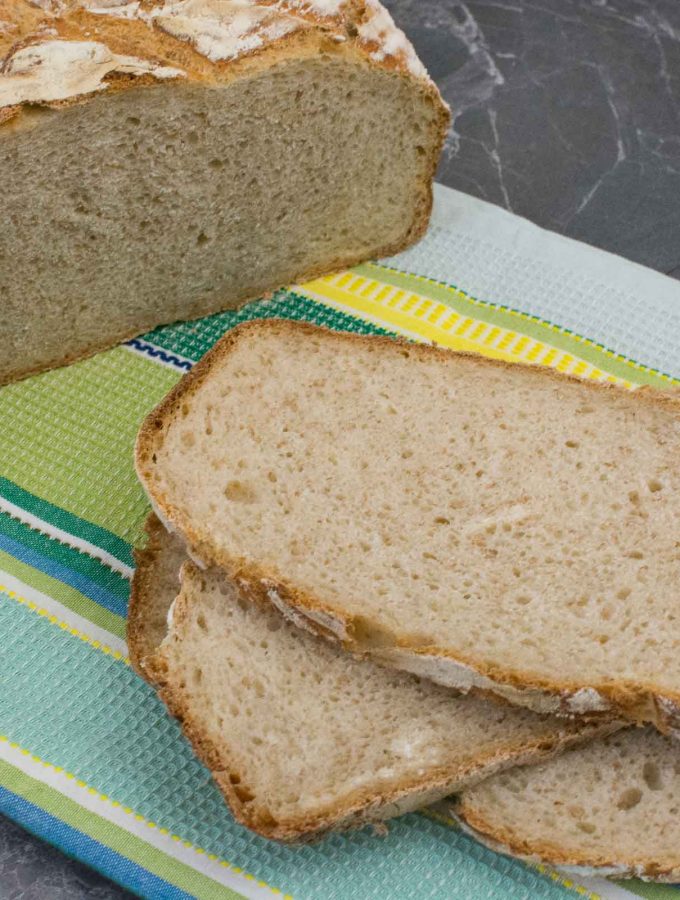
x: 55, y: 70
x: 221, y: 30
x: 56, y: 50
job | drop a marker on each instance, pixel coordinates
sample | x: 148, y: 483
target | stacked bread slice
x: 358, y: 506
x: 300, y: 736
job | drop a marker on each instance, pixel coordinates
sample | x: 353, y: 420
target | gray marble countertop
x: 564, y: 111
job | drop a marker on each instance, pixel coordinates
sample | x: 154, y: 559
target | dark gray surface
x: 31, y: 870
x: 566, y: 112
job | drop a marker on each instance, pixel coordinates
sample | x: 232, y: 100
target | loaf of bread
x: 165, y: 159
x: 609, y: 808
x: 300, y: 736
x: 487, y: 526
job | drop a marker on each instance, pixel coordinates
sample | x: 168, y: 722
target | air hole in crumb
x: 442, y: 520
x: 629, y: 798
x: 523, y: 600
x: 588, y: 827
x: 654, y: 485
x: 652, y: 776
x: 202, y: 238
x: 623, y: 594
x: 571, y: 444
x: 216, y: 164
x: 202, y: 624
x: 133, y: 120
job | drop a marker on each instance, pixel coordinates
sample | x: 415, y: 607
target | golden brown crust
x: 638, y: 702
x: 506, y: 840
x: 28, y: 26
x: 144, y: 584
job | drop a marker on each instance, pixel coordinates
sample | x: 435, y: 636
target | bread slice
x: 300, y: 736
x: 609, y: 808
x: 481, y: 524
x: 195, y: 154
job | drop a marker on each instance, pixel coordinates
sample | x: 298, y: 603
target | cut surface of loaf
x: 300, y: 736
x: 166, y: 160
x: 482, y: 524
x: 610, y: 807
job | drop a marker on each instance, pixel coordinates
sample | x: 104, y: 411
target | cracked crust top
x: 58, y: 52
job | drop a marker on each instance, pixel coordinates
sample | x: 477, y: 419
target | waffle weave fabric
x: 89, y: 760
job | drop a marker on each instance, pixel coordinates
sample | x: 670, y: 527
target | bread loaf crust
x: 638, y: 702
x: 60, y: 53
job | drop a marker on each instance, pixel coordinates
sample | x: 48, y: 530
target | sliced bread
x: 481, y: 524
x: 195, y: 154
x: 609, y: 808
x: 300, y: 736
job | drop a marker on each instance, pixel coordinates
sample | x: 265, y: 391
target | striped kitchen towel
x: 89, y: 760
